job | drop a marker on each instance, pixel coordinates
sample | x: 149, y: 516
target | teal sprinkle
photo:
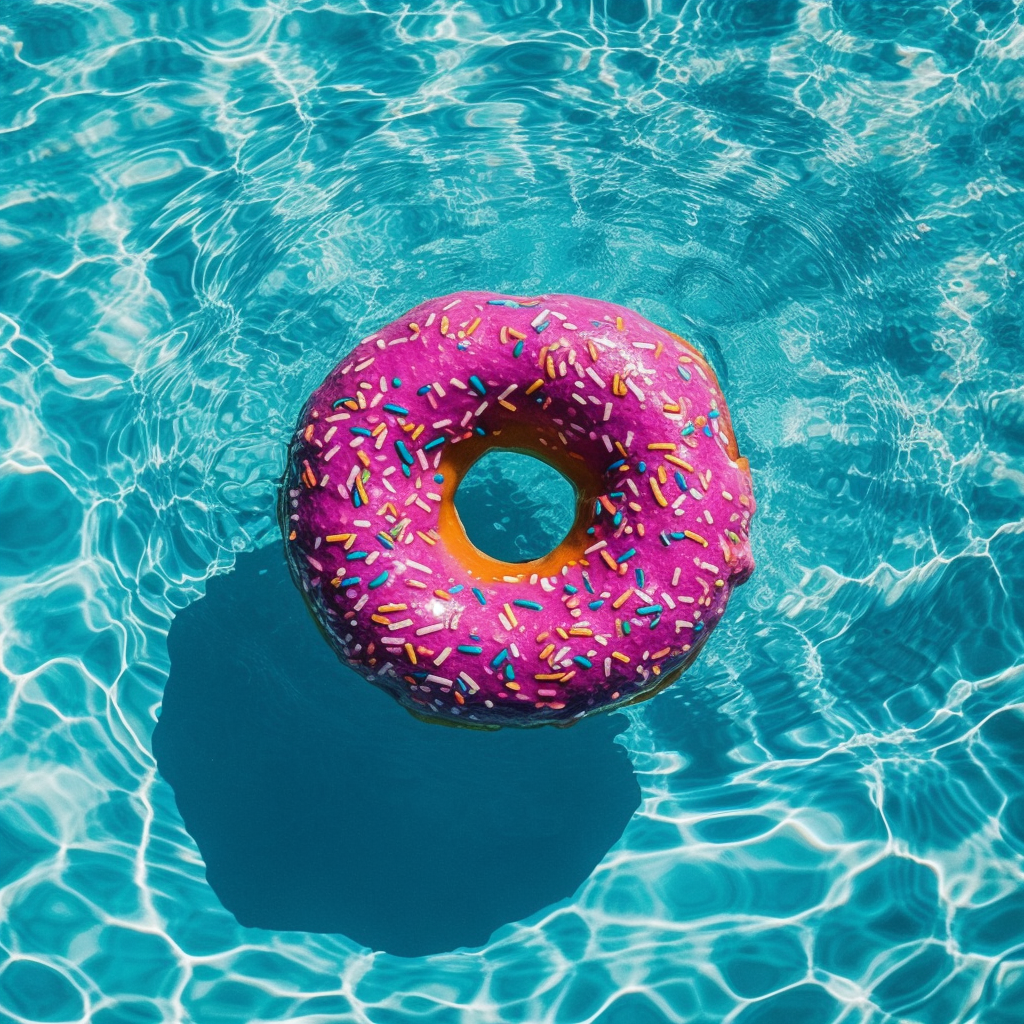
x: 479, y: 596
x: 517, y: 351
x: 698, y: 626
x: 640, y: 578
x: 406, y: 471
x: 439, y: 478
x: 396, y: 382
x: 586, y: 582
x: 382, y: 578
x: 626, y: 556
x: 684, y: 373
x: 361, y: 431
x: 688, y: 429
x: 430, y: 445
x: 641, y: 466
x: 532, y: 605
x: 350, y: 581
x: 499, y: 658
x: 583, y: 662
x: 594, y: 605
x: 458, y: 588
x: 617, y: 519
x: 678, y: 536
x: 626, y: 628
x: 707, y: 429
x: 510, y: 672
x: 340, y: 401
x: 478, y: 385
x: 423, y: 390
x: 597, y: 507
x: 354, y: 556
x: 649, y: 609
x: 543, y: 327
x: 356, y: 500
x: 470, y: 649
x: 398, y: 410
x: 385, y: 541
x: 713, y: 414
x: 570, y: 589
x: 681, y: 481
x: 403, y: 453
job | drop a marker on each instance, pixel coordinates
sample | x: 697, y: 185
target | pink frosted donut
x: 628, y: 411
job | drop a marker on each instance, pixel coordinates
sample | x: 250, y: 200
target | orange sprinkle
x: 609, y: 561
x: 592, y: 349
x: 361, y: 489
x: 662, y: 653
x: 661, y: 446
x: 618, y: 656
x: 547, y: 652
x: 622, y: 599
x: 385, y: 608
x: 472, y: 327
x: 542, y: 675
x: 518, y: 335
x: 618, y: 323
x: 423, y: 536
x: 695, y: 536
x: 656, y: 490
x: 443, y: 594
x: 336, y: 538
x: 444, y: 325
x: 410, y: 652
x: 459, y: 699
x: 679, y: 463
x: 580, y: 631
x: 533, y: 387
x: 549, y: 366
x: 308, y: 435
x: 363, y: 458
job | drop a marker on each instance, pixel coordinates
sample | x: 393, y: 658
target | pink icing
x: 447, y: 654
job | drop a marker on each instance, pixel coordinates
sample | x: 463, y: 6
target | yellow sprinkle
x: 542, y: 675
x: 679, y: 463
x: 659, y: 350
x: 661, y: 446
x: 592, y: 349
x: 472, y: 327
x: 423, y: 536
x: 506, y: 405
x: 387, y: 608
x: 561, y: 632
x: 377, y: 430
x: 334, y: 538
x: 444, y: 325
x: 414, y: 328
x: 547, y: 652
x: 533, y: 387
x: 618, y: 656
x: 662, y: 475
x: 618, y: 323
x: 513, y: 333
x: 670, y: 407
x: 416, y: 583
x: 622, y: 599
x: 542, y: 636
x: 411, y: 653
x: 549, y: 365
x: 416, y: 433
x: 361, y: 490
x: 512, y: 686
x: 580, y: 631
x: 658, y: 496
x: 511, y: 615
x: 443, y: 594
x: 695, y: 536
x: 382, y: 619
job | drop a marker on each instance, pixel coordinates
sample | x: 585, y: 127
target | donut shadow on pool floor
x: 320, y: 805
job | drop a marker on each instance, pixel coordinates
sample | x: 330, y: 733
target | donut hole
x: 515, y: 507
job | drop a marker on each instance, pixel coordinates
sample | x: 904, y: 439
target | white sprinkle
x: 607, y: 411
x: 540, y: 318
x: 594, y: 376
x: 596, y: 547
x: 334, y: 451
x: 440, y: 659
x: 440, y: 680
x: 419, y: 568
x: 675, y: 576
x: 636, y: 391
x: 429, y: 320
x: 424, y: 630
x: 451, y: 305
x: 458, y: 383
x: 441, y: 423
x: 667, y: 598
x: 399, y: 625
x: 469, y: 682
x: 362, y: 523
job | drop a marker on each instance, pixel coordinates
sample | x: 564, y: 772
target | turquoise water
x: 201, y: 207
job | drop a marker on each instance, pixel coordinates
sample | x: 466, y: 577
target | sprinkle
x: 442, y: 657
x: 621, y: 599
x: 510, y: 615
x: 411, y: 653
x: 533, y: 387
x: 683, y: 372
x: 379, y: 580
x: 532, y: 605
x: 695, y: 536
x: 539, y: 319
x: 396, y: 409
x: 478, y: 385
x: 618, y: 323
x: 424, y: 630
x: 472, y: 327
x: 403, y: 452
x: 431, y: 445
x: 661, y: 446
x: 626, y: 556
x: 350, y: 581
x: 658, y: 496
x: 619, y: 656
x: 583, y: 662
x: 471, y: 649
x: 517, y: 349
x: 479, y: 596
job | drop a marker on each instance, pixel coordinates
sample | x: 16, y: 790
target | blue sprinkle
x: 591, y: 530
x: 594, y: 605
x: 532, y: 605
x: 457, y: 589
x: 615, y: 465
x: 361, y: 431
x: 439, y: 478
x: 584, y: 662
x: 698, y: 626
x: 480, y: 431
x: 350, y: 581
x: 479, y: 596
x: 478, y: 385
x: 398, y: 410
x: 404, y: 454
x: 406, y: 471
x: 543, y: 327
x: 499, y: 658
x: 430, y: 445
x: 617, y: 519
x: 681, y: 481
x: 626, y: 556
x: 707, y: 429
x: 678, y: 536
x: 396, y: 382
x: 473, y: 636
x: 586, y: 582
x: 462, y: 686
x: 597, y: 323
x: 353, y: 556
x: 517, y: 351
x: 639, y: 578
x: 641, y: 466
x: 684, y: 373
x: 688, y: 429
x: 713, y: 414
x: 510, y: 672
x: 356, y: 500
x: 570, y: 589
x: 423, y: 390
x: 618, y: 495
x: 511, y: 303
x: 382, y: 578
x: 649, y: 609
x: 469, y: 649
x: 385, y: 541
x: 597, y: 507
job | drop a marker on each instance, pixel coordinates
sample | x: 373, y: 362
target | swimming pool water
x: 202, y: 205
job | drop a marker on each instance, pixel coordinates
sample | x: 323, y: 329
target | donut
x: 629, y: 412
